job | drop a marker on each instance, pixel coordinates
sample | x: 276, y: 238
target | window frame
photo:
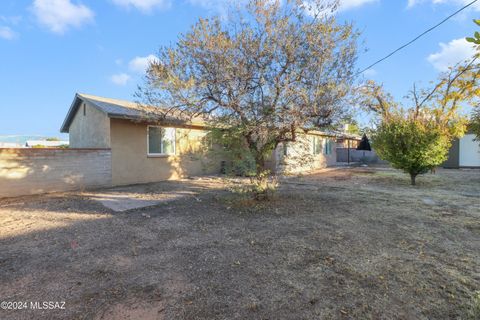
x: 320, y: 139
x: 328, y: 148
x: 161, y: 154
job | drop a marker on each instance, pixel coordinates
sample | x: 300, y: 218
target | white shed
x: 464, y: 153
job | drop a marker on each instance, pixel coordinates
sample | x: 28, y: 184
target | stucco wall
x: 131, y: 164
x: 469, y: 156
x: 453, y: 155
x: 90, y: 129
x: 300, y: 157
x: 34, y: 171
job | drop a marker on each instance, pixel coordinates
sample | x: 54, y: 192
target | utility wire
x: 418, y: 37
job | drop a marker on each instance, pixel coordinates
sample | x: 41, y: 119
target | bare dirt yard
x: 339, y: 244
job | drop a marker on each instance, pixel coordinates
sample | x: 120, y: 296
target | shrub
x: 414, y: 145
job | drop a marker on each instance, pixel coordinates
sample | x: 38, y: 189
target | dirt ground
x: 339, y: 244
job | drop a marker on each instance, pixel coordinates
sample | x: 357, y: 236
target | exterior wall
x: 34, y: 171
x: 464, y: 153
x: 469, y: 151
x: 300, y: 157
x: 131, y: 164
x: 453, y: 156
x: 91, y: 130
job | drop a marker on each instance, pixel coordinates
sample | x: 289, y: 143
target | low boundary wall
x: 34, y: 171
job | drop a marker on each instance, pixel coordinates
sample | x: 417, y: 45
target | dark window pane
x: 154, y: 140
x: 317, y: 145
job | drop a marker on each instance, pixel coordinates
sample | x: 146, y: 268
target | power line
x: 418, y: 37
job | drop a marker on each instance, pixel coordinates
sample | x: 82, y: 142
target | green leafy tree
x: 413, y: 145
x: 261, y: 74
x: 230, y: 146
x: 475, y: 121
x: 418, y: 139
x: 476, y: 36
x: 352, y: 126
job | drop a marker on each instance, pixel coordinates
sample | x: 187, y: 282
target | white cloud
x: 451, y: 53
x: 137, y: 65
x: 208, y: 3
x: 312, y: 9
x: 145, y: 6
x: 120, y: 79
x: 412, y: 3
x: 219, y: 6
x: 140, y: 64
x: 7, y: 33
x: 369, y: 73
x: 60, y: 15
x: 350, y: 4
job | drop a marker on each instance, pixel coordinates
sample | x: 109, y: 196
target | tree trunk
x: 260, y: 164
x: 413, y: 176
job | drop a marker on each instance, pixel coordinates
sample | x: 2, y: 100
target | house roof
x: 335, y: 134
x: 348, y: 136
x: 121, y: 109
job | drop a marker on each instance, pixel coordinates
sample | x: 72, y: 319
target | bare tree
x: 268, y: 70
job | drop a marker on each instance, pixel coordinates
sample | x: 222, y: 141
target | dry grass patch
x: 351, y: 243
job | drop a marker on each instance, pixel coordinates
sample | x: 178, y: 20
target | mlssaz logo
x: 47, y: 305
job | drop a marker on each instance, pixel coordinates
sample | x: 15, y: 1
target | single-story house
x: 146, y: 147
x: 464, y: 153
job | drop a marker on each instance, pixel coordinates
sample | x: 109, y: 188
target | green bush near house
x: 229, y: 145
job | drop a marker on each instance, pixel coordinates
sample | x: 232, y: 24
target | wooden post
x: 348, y: 151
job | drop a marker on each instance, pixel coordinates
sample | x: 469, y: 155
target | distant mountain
x: 19, y: 138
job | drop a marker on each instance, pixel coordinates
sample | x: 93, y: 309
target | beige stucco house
x: 142, y: 150
x: 145, y: 147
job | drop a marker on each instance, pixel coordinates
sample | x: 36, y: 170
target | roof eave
x: 73, y: 111
x: 65, y: 128
x: 172, y: 121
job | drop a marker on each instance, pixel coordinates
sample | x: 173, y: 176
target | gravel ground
x: 339, y: 244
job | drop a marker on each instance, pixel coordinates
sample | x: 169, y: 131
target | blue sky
x: 50, y: 49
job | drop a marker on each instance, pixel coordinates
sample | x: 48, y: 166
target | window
x: 328, y: 147
x: 317, y: 145
x: 285, y: 149
x: 161, y: 141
